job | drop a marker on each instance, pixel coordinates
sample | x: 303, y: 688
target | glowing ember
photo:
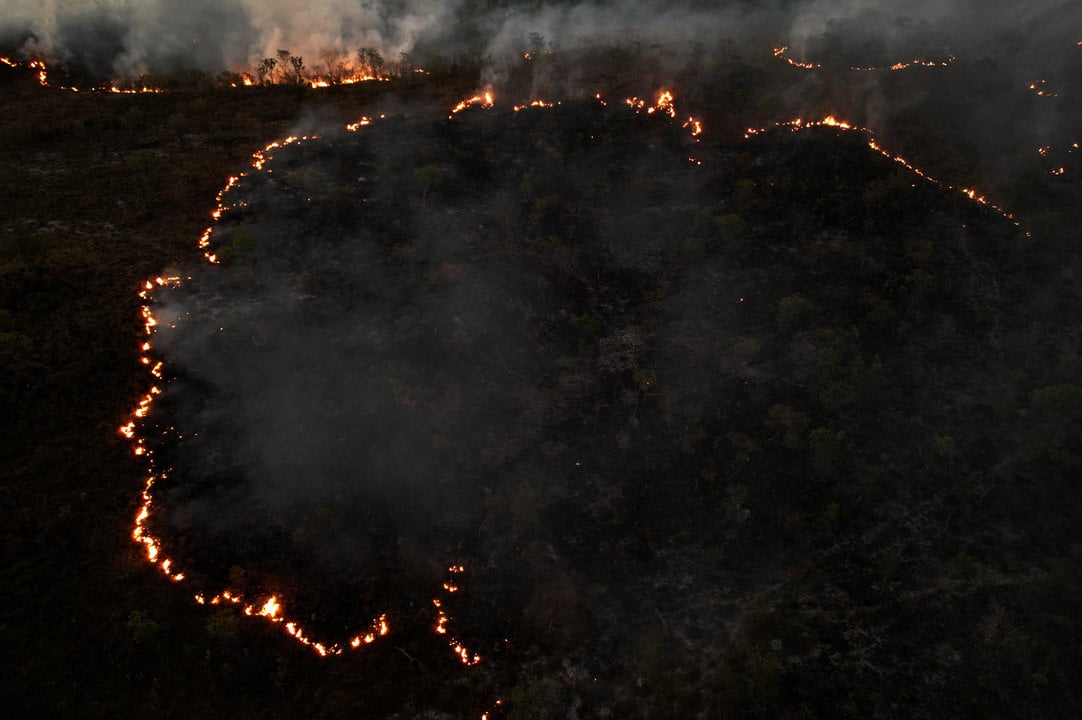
x: 442, y: 618
x: 1040, y: 88
x: 536, y: 104
x: 781, y: 50
x: 350, y: 76
x: 354, y: 127
x: 664, y: 106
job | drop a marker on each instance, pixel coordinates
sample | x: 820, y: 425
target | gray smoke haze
x: 159, y: 35
x: 128, y: 38
x: 400, y: 362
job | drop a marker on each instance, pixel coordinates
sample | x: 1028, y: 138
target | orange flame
x: 485, y: 100
x: 442, y: 619
x: 799, y: 124
x: 271, y: 609
x: 781, y: 50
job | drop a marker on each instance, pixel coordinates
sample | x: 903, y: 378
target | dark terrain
x: 793, y: 433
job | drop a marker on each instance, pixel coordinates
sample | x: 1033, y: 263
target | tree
x: 427, y: 177
x: 264, y: 71
x: 298, y: 68
x: 537, y: 44
x: 330, y: 57
x: 370, y: 62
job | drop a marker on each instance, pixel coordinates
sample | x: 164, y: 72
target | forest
x: 708, y: 384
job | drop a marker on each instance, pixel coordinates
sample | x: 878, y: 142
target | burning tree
x: 264, y: 71
x: 370, y: 62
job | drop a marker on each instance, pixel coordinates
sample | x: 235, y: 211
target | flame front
x: 799, y: 124
x: 781, y: 51
x: 270, y: 608
x: 484, y: 100
x: 442, y: 619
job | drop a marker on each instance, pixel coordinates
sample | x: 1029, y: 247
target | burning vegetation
x: 486, y: 338
x: 621, y: 400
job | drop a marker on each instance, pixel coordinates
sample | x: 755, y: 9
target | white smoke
x: 143, y: 35
x: 128, y: 37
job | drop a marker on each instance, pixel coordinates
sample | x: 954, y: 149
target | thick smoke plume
x: 128, y: 38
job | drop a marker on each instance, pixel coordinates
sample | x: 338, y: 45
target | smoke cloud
x: 128, y: 37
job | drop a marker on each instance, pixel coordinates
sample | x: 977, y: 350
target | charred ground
x: 790, y: 432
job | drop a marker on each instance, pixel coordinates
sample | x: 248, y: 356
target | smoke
x: 126, y: 38
x: 428, y: 341
x: 129, y: 38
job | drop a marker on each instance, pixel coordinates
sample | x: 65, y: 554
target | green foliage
x: 427, y: 177
x: 793, y: 310
x: 223, y: 624
x: 540, y: 699
x: 945, y: 446
x: 762, y: 672
x: 589, y: 330
x: 1063, y: 400
x: 745, y: 349
x: 938, y: 294
x: 243, y: 241
x: 791, y: 422
x: 826, y: 448
x: 144, y: 630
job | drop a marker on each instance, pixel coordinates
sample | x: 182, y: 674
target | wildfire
x: 799, y: 124
x: 42, y: 72
x: 132, y: 91
x: 270, y: 608
x: 442, y: 619
x: 537, y: 104
x: 245, y: 79
x: 325, y: 82
x: 781, y: 50
x: 364, y: 121
x: 485, y: 100
x: 37, y: 66
x: 1040, y: 88
x: 905, y: 65
x: 664, y: 105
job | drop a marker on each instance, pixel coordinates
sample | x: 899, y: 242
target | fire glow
x: 484, y: 100
x: 798, y: 124
x: 664, y: 105
x: 245, y: 79
x: 270, y: 608
x: 781, y: 51
x: 442, y: 618
x: 1040, y: 89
